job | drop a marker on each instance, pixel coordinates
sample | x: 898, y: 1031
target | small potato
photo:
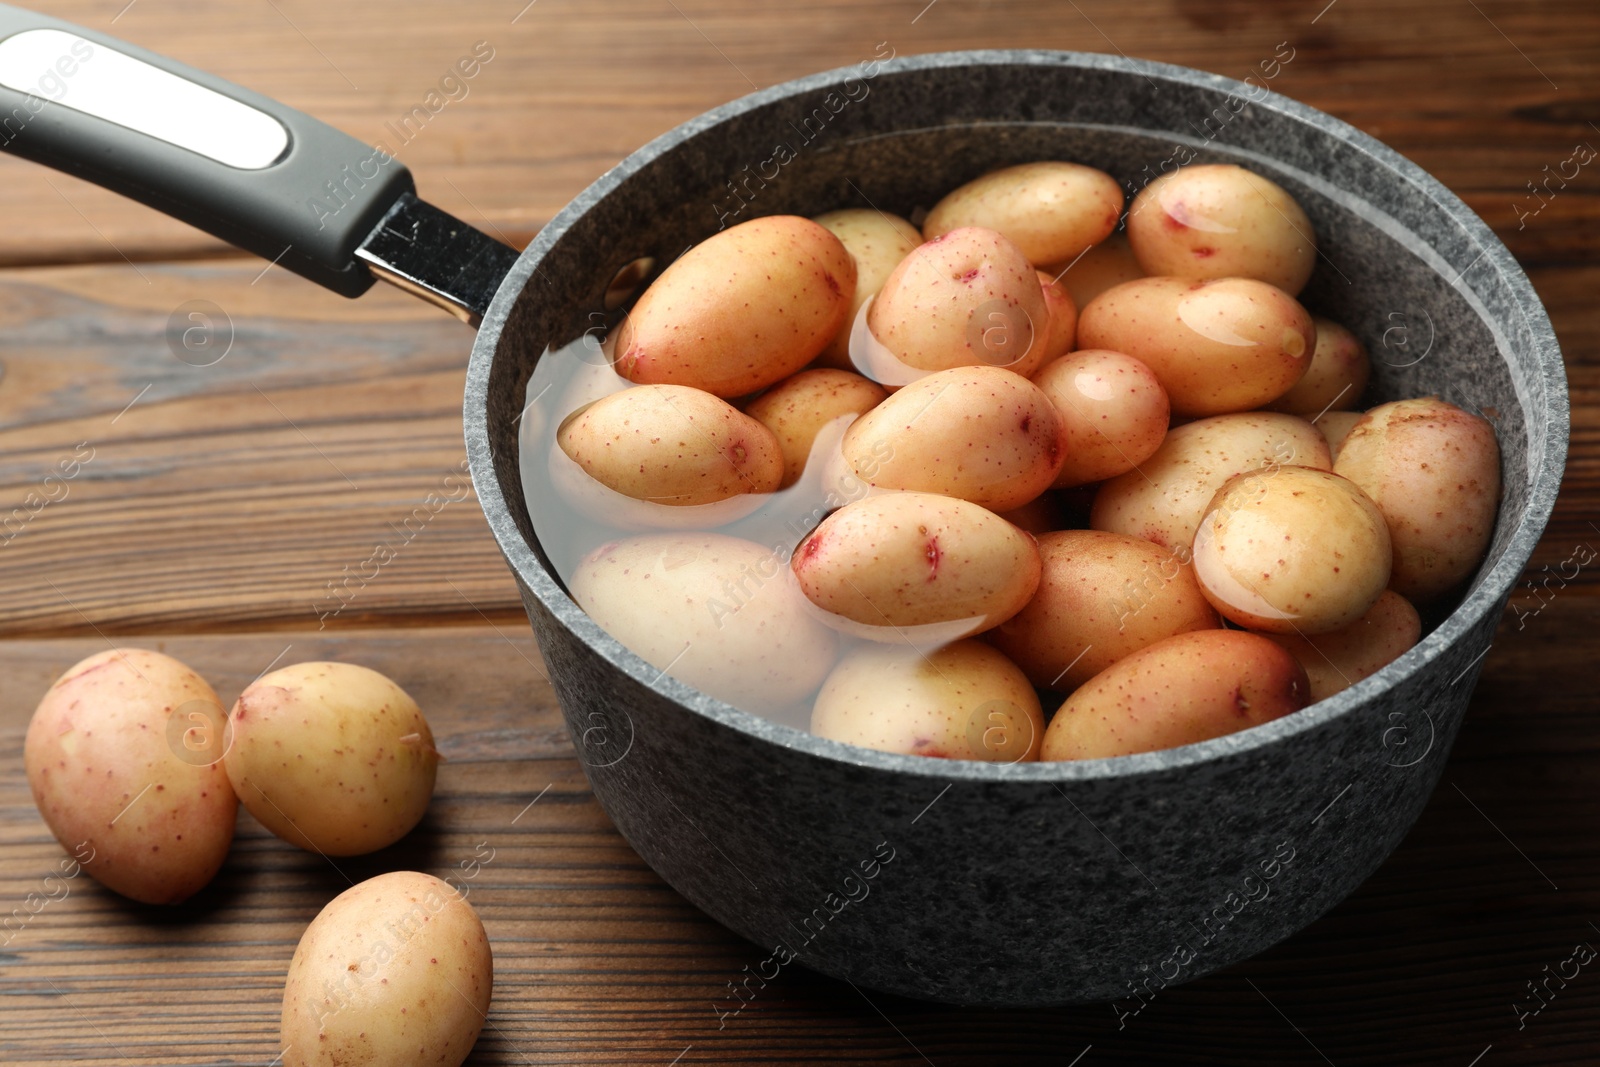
x: 1180, y: 691
x: 797, y: 408
x: 1434, y: 472
x: 672, y: 445
x: 962, y: 701
x: 1103, y: 596
x: 1163, y: 499
x: 1336, y: 426
x: 1114, y: 409
x: 1063, y: 316
x: 1109, y: 263
x: 966, y: 298
x: 1051, y: 211
x: 885, y: 566
x: 1336, y: 378
x: 1217, y: 346
x: 718, y: 611
x: 123, y: 758
x: 979, y: 433
x: 744, y: 308
x: 1222, y: 221
x: 395, y: 971
x: 1336, y: 660
x: 1292, y: 550
x: 332, y: 757
x: 877, y: 243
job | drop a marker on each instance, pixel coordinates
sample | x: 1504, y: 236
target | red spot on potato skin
x: 1205, y: 252
x: 934, y: 554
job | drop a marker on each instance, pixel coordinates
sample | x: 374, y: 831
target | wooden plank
x: 598, y: 962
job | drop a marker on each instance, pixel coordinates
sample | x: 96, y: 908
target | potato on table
x: 395, y: 971
x: 123, y: 758
x: 1051, y: 211
x: 1180, y: 691
x: 962, y: 701
x: 1336, y: 660
x: 877, y: 243
x: 333, y: 757
x: 742, y: 309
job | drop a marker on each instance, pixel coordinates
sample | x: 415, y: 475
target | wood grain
x: 220, y: 501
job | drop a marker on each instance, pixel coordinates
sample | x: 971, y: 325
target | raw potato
x: 1222, y: 221
x: 905, y: 566
x: 122, y: 758
x: 1180, y: 691
x: 1219, y: 346
x: 1050, y: 211
x: 1292, y: 550
x: 877, y: 243
x: 1107, y: 264
x: 742, y: 309
x: 332, y: 757
x: 672, y: 445
x: 1434, y: 472
x: 1337, y: 660
x: 1336, y: 378
x: 395, y: 972
x: 1114, y: 410
x: 962, y: 701
x: 1103, y: 597
x: 718, y: 611
x: 979, y: 433
x: 1063, y: 316
x: 1163, y: 499
x: 797, y: 408
x: 1336, y: 426
x: 967, y: 298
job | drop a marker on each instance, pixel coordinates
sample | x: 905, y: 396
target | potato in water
x: 332, y: 757
x: 395, y: 971
x: 797, y: 408
x: 1434, y: 472
x: 1050, y: 211
x: 1292, y: 550
x: 876, y: 243
x: 1221, y: 221
x: 1107, y: 264
x: 1336, y: 378
x: 1114, y: 410
x: 978, y: 433
x: 123, y: 758
x: 1218, y: 346
x: 1338, y: 659
x: 963, y: 701
x: 1180, y: 691
x: 742, y: 309
x: 721, y: 612
x: 916, y: 568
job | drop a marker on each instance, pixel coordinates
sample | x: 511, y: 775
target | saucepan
x: 959, y: 881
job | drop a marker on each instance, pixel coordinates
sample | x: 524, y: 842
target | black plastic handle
x: 309, y: 208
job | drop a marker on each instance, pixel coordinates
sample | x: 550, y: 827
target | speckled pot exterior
x: 1029, y: 884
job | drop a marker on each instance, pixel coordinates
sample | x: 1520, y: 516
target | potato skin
x: 905, y: 560
x: 1336, y: 378
x: 1434, y: 472
x: 1336, y: 660
x: 1180, y: 691
x: 672, y: 445
x: 1107, y: 264
x: 876, y: 243
x: 966, y: 298
x: 1164, y: 498
x: 1336, y: 426
x: 144, y: 822
x: 395, y: 971
x: 1114, y: 410
x: 1219, y: 346
x: 333, y: 757
x: 1221, y: 221
x: 744, y: 308
x: 962, y: 701
x: 1102, y: 597
x: 979, y: 433
x: 1292, y: 550
x: 1051, y: 211
x: 719, y: 611
x: 797, y: 408
x: 1063, y: 317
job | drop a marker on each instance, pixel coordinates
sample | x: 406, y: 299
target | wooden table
x: 221, y: 501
